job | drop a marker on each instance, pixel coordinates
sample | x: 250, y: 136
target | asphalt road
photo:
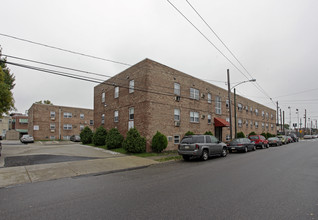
x: 276, y: 183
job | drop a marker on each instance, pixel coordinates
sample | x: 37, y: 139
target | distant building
x: 19, y: 123
x: 4, y: 126
x: 52, y: 122
x: 153, y: 97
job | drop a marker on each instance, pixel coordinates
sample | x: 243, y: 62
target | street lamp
x: 230, y: 108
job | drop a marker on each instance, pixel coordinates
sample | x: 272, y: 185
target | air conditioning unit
x: 52, y: 119
x: 202, y: 95
x: 177, y: 123
x: 52, y: 130
x: 177, y: 98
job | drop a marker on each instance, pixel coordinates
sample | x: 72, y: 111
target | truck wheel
x: 205, y: 155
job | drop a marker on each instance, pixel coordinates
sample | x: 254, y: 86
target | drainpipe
x: 59, y: 123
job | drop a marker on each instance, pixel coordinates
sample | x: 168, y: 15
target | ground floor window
x: 177, y: 139
x: 194, y: 117
x: 66, y: 137
x: 228, y: 137
x: 52, y: 137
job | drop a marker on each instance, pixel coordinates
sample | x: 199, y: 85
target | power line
x: 65, y: 50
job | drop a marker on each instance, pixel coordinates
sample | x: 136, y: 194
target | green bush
x: 268, y: 135
x: 86, y: 135
x: 134, y: 143
x: 240, y: 135
x: 208, y: 133
x: 114, y: 139
x: 99, y: 136
x: 189, y: 133
x: 252, y: 133
x: 264, y: 134
x: 159, y: 142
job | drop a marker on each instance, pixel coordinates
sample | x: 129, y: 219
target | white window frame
x: 67, y: 115
x: 131, y: 114
x: 67, y: 127
x: 194, y: 117
x: 227, y: 103
x: 116, y: 92
x: 209, y: 98
x: 52, y: 114
x: 131, y: 86
x: 227, y: 137
x: 256, y: 111
x: 239, y: 107
x: 263, y: 125
x: 176, y: 139
x: 266, y: 126
x: 218, y: 105
x: 116, y: 116
x: 256, y: 124
x: 176, y: 89
x: 239, y: 122
x: 52, y: 126
x: 263, y: 113
x: 82, y: 116
x: 194, y: 94
x: 103, y: 119
x: 209, y: 119
x: 176, y: 114
x: 82, y: 127
x: 246, y: 122
x: 227, y: 119
x: 91, y: 122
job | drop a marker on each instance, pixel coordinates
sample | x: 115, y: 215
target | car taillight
x: 239, y: 144
x: 196, y: 146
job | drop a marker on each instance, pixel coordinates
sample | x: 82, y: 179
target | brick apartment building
x: 153, y: 97
x: 20, y: 123
x: 52, y: 122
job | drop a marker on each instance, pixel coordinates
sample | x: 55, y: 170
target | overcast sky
x: 275, y: 40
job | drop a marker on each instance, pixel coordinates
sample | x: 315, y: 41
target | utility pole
x: 284, y: 122
x: 277, y: 123
x: 235, y: 130
x: 281, y: 125
x: 289, y: 118
x: 305, y: 121
x: 230, y: 104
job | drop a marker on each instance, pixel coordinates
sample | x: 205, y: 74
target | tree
x: 6, y: 85
x: 159, y: 142
x: 99, y: 136
x: 189, y: 133
x: 48, y: 102
x: 134, y: 143
x: 86, y: 135
x: 114, y: 139
x: 252, y: 133
x: 240, y: 135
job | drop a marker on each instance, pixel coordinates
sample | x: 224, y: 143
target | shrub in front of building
x: 268, y: 135
x: 159, y: 142
x: 252, y: 133
x: 114, y: 139
x: 134, y: 143
x: 208, y: 133
x: 189, y: 133
x: 99, y: 136
x: 86, y: 135
x: 240, y: 135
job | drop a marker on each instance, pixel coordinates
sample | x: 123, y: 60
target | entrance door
x: 218, y: 133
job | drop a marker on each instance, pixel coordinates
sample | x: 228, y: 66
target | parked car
x: 0, y: 148
x: 289, y: 139
x: 241, y: 144
x: 294, y: 137
x: 307, y: 136
x: 283, y: 138
x: 274, y: 141
x: 201, y: 146
x: 75, y: 138
x: 260, y: 141
x: 314, y: 136
x: 27, y: 139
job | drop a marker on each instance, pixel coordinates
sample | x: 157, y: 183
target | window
x: 209, y: 98
x: 218, y: 105
x: 194, y: 93
x: 67, y: 115
x: 266, y: 115
x: 272, y: 126
x: 103, y: 97
x: 251, y: 109
x: 227, y: 119
x: 256, y: 111
x: 177, y: 114
x: 115, y: 116
x: 214, y: 139
x: 131, y: 114
x: 23, y: 120
x: 251, y: 124
x: 240, y: 107
x: 263, y: 125
x: 177, y: 89
x: 239, y: 122
x: 246, y: 108
x: 209, y: 119
x: 67, y: 127
x: 228, y: 137
x: 194, y: 117
x: 256, y: 124
x: 66, y: 137
x: 208, y: 139
x: 52, y: 137
x: 170, y: 138
x: 52, y: 114
x: 131, y: 86
x: 272, y: 117
x: 82, y: 116
x: 52, y: 126
x: 176, y: 139
x: 263, y: 114
x: 246, y: 123
x: 81, y: 127
x: 91, y: 122
x: 266, y: 126
x: 227, y: 103
x: 103, y: 119
x: 116, y: 92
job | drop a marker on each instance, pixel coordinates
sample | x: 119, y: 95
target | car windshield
x: 272, y: 138
x: 192, y: 140
x: 254, y: 137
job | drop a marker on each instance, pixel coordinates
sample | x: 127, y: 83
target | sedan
x: 308, y: 136
x: 27, y: 139
x: 241, y: 144
x: 274, y: 141
x: 283, y: 138
x: 75, y: 138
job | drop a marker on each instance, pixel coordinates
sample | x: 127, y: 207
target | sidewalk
x: 43, y: 172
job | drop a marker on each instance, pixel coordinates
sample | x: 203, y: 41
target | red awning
x: 220, y: 122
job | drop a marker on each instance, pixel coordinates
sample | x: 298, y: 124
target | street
x: 275, y: 183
